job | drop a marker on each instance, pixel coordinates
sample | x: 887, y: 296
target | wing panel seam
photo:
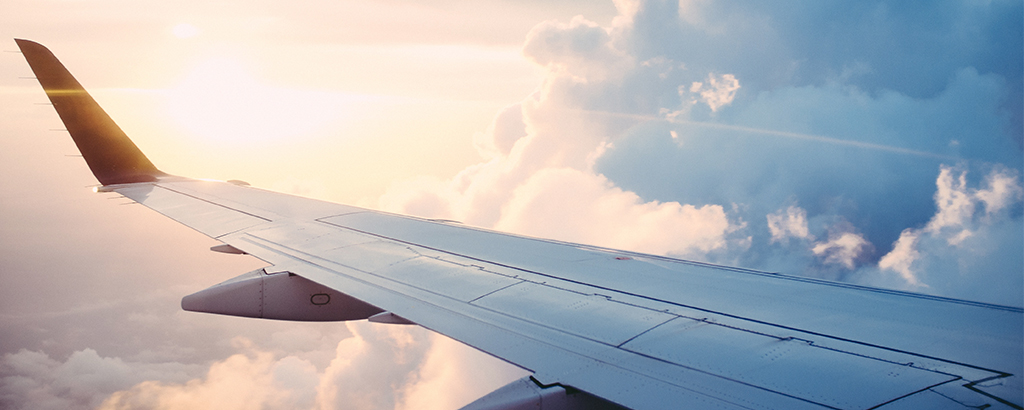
x: 843, y: 339
x: 776, y: 275
x: 158, y: 185
x: 364, y: 282
x: 291, y: 253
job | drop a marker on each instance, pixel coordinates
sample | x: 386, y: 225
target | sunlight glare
x: 221, y: 101
x: 185, y: 30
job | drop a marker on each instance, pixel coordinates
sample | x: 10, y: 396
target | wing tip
x: 110, y: 154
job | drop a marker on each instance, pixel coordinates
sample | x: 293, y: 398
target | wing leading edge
x: 597, y: 327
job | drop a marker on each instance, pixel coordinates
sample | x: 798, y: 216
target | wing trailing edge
x: 110, y: 154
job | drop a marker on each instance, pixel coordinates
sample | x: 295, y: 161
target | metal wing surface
x: 598, y: 327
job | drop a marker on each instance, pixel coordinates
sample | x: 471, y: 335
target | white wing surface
x: 596, y: 327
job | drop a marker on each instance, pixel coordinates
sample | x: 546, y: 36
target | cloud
x: 453, y: 375
x: 1003, y: 191
x: 507, y: 128
x: 643, y: 124
x: 577, y: 206
x: 355, y: 378
x: 592, y: 156
x: 718, y: 92
x: 256, y: 377
x: 961, y: 250
x: 904, y: 253
x: 33, y: 380
x: 422, y: 370
x: 873, y: 45
x: 842, y: 249
x: 791, y: 222
x: 956, y: 205
x: 539, y: 179
x: 250, y: 379
x: 880, y: 191
x: 580, y: 50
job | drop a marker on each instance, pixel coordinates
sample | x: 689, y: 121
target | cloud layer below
x: 870, y: 142
x: 377, y: 367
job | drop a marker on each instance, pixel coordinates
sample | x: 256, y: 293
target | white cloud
x: 250, y: 379
x: 717, y: 92
x: 453, y: 375
x: 789, y: 223
x: 573, y: 205
x: 844, y: 249
x: 956, y: 205
x: 377, y: 367
x: 355, y: 378
x: 507, y: 128
x: 33, y: 380
x: 539, y: 179
x: 425, y: 196
x: 580, y: 49
x: 901, y: 258
x: 1003, y: 190
x: 959, y: 243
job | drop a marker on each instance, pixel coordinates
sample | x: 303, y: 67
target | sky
x: 870, y: 142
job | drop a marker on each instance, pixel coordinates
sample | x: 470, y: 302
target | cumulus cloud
x: 955, y: 203
x: 422, y: 370
x: 250, y: 379
x: 34, y: 380
x: 580, y: 49
x: 641, y: 137
x: 842, y: 249
x: 608, y: 216
x: 539, y: 178
x: 453, y: 375
x: 354, y: 379
x: 717, y: 92
x: 959, y: 237
x: 791, y: 222
x: 644, y: 124
x: 507, y: 128
x: 1002, y: 191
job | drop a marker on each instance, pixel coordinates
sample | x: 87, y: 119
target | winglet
x: 111, y: 155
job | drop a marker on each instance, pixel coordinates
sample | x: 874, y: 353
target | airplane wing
x: 598, y: 328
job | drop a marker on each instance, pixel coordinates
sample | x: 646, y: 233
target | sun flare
x: 220, y: 100
x: 185, y: 30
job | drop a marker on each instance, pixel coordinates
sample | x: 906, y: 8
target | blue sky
x: 877, y: 143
